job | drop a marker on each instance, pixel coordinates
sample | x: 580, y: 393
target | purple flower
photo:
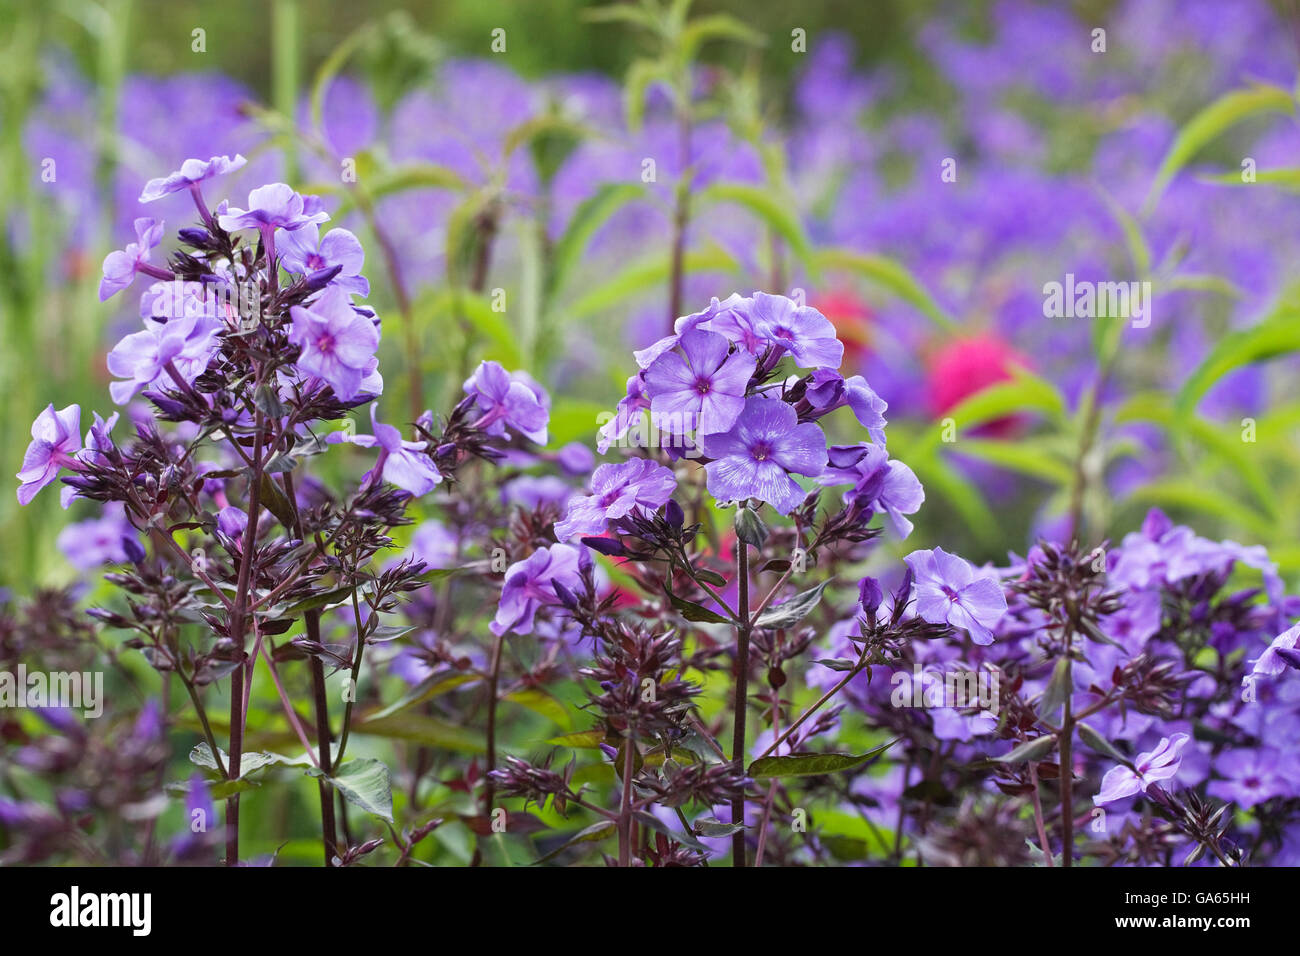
x: 629, y: 410
x: 702, y: 387
x: 948, y: 592
x: 304, y: 251
x: 1160, y: 764
x: 433, y: 544
x: 120, y: 267
x: 233, y: 522
x: 879, y: 484
x: 686, y: 323
x: 828, y: 390
x: 575, y: 458
x: 1281, y: 652
x: 529, y: 586
x: 179, y: 348
x: 191, y: 173
x: 97, y: 541
x: 754, y: 458
x: 506, y: 399
x: 56, y: 439
x: 773, y: 320
x: 1254, y: 775
x: 400, y: 462
x: 616, y: 491
x: 274, y: 205
x: 338, y: 343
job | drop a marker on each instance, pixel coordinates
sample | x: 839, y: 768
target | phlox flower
x: 700, y: 387
x: 401, y: 463
x: 509, y: 399
x: 305, y: 251
x: 529, y: 586
x: 191, y: 173
x: 56, y: 439
x: 120, y: 267
x: 338, y: 343
x: 754, y: 458
x: 1159, y: 764
x: 948, y: 592
x: 617, y: 490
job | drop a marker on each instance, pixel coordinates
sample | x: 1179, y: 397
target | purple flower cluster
x: 723, y: 389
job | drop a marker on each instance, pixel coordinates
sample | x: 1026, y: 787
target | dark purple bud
x: 611, y: 547
x: 1290, y: 655
x: 134, y: 550
x: 870, y: 595
x: 321, y: 278
x: 565, y: 595
x: 673, y: 514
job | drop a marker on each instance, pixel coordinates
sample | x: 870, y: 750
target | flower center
x: 703, y: 386
x: 953, y: 596
x: 325, y: 343
x: 761, y: 451
x: 316, y: 261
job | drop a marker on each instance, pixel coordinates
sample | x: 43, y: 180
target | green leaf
x: 591, y: 214
x: 274, y: 500
x: 365, y: 783
x: 429, y: 688
x: 249, y: 762
x: 792, y: 611
x: 1020, y: 456
x: 711, y: 828
x: 718, y: 26
x: 647, y: 274
x: 1058, y: 689
x: 696, y: 612
x: 1288, y: 179
x: 1100, y: 744
x: 1275, y: 336
x: 579, y: 740
x: 540, y: 702
x: 811, y: 765
x: 423, y: 729
x: 892, y: 276
x: 1209, y: 123
x: 778, y: 215
x: 597, y: 831
x: 1035, y: 749
x: 750, y: 527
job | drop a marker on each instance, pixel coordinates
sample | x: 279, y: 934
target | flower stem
x: 1067, y: 777
x: 489, y: 786
x: 742, y: 695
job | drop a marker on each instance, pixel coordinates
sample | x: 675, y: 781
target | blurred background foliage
x: 1063, y: 163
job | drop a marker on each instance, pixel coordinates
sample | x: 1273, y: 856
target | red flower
x: 964, y: 366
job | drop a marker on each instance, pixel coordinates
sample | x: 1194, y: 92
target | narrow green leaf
x: 811, y: 765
